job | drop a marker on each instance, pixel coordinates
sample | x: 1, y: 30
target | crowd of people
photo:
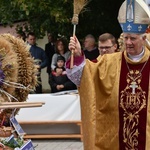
x: 56, y: 54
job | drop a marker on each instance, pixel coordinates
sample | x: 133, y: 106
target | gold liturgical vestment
x: 99, y: 94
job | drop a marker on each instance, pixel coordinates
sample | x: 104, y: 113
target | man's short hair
x: 31, y: 33
x: 107, y: 36
x: 90, y: 36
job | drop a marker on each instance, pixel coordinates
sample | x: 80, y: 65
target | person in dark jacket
x: 50, y: 51
x: 58, y: 78
x: 39, y: 57
x: 91, y: 51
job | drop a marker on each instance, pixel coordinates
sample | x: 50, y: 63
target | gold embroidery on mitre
x: 132, y: 101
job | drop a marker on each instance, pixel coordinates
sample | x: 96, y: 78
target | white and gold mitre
x: 134, y: 16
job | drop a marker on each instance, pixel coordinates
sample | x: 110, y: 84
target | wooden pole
x: 20, y: 103
x: 6, y: 105
x: 19, y: 106
x: 72, y: 51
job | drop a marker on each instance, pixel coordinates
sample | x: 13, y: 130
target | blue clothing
x: 39, y: 53
x: 40, y: 59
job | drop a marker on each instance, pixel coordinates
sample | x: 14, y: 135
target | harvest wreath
x: 18, y: 75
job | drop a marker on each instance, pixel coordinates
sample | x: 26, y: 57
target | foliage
x: 55, y: 16
x: 16, y: 142
x: 101, y: 17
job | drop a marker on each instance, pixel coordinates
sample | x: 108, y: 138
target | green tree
x: 55, y: 16
x: 101, y: 17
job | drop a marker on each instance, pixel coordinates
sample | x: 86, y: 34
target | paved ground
x: 65, y: 144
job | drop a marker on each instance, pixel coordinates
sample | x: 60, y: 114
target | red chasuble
x: 133, y: 95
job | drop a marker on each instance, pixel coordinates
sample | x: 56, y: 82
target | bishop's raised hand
x: 74, y: 46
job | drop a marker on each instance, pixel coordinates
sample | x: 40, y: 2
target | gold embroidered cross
x: 133, y: 86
